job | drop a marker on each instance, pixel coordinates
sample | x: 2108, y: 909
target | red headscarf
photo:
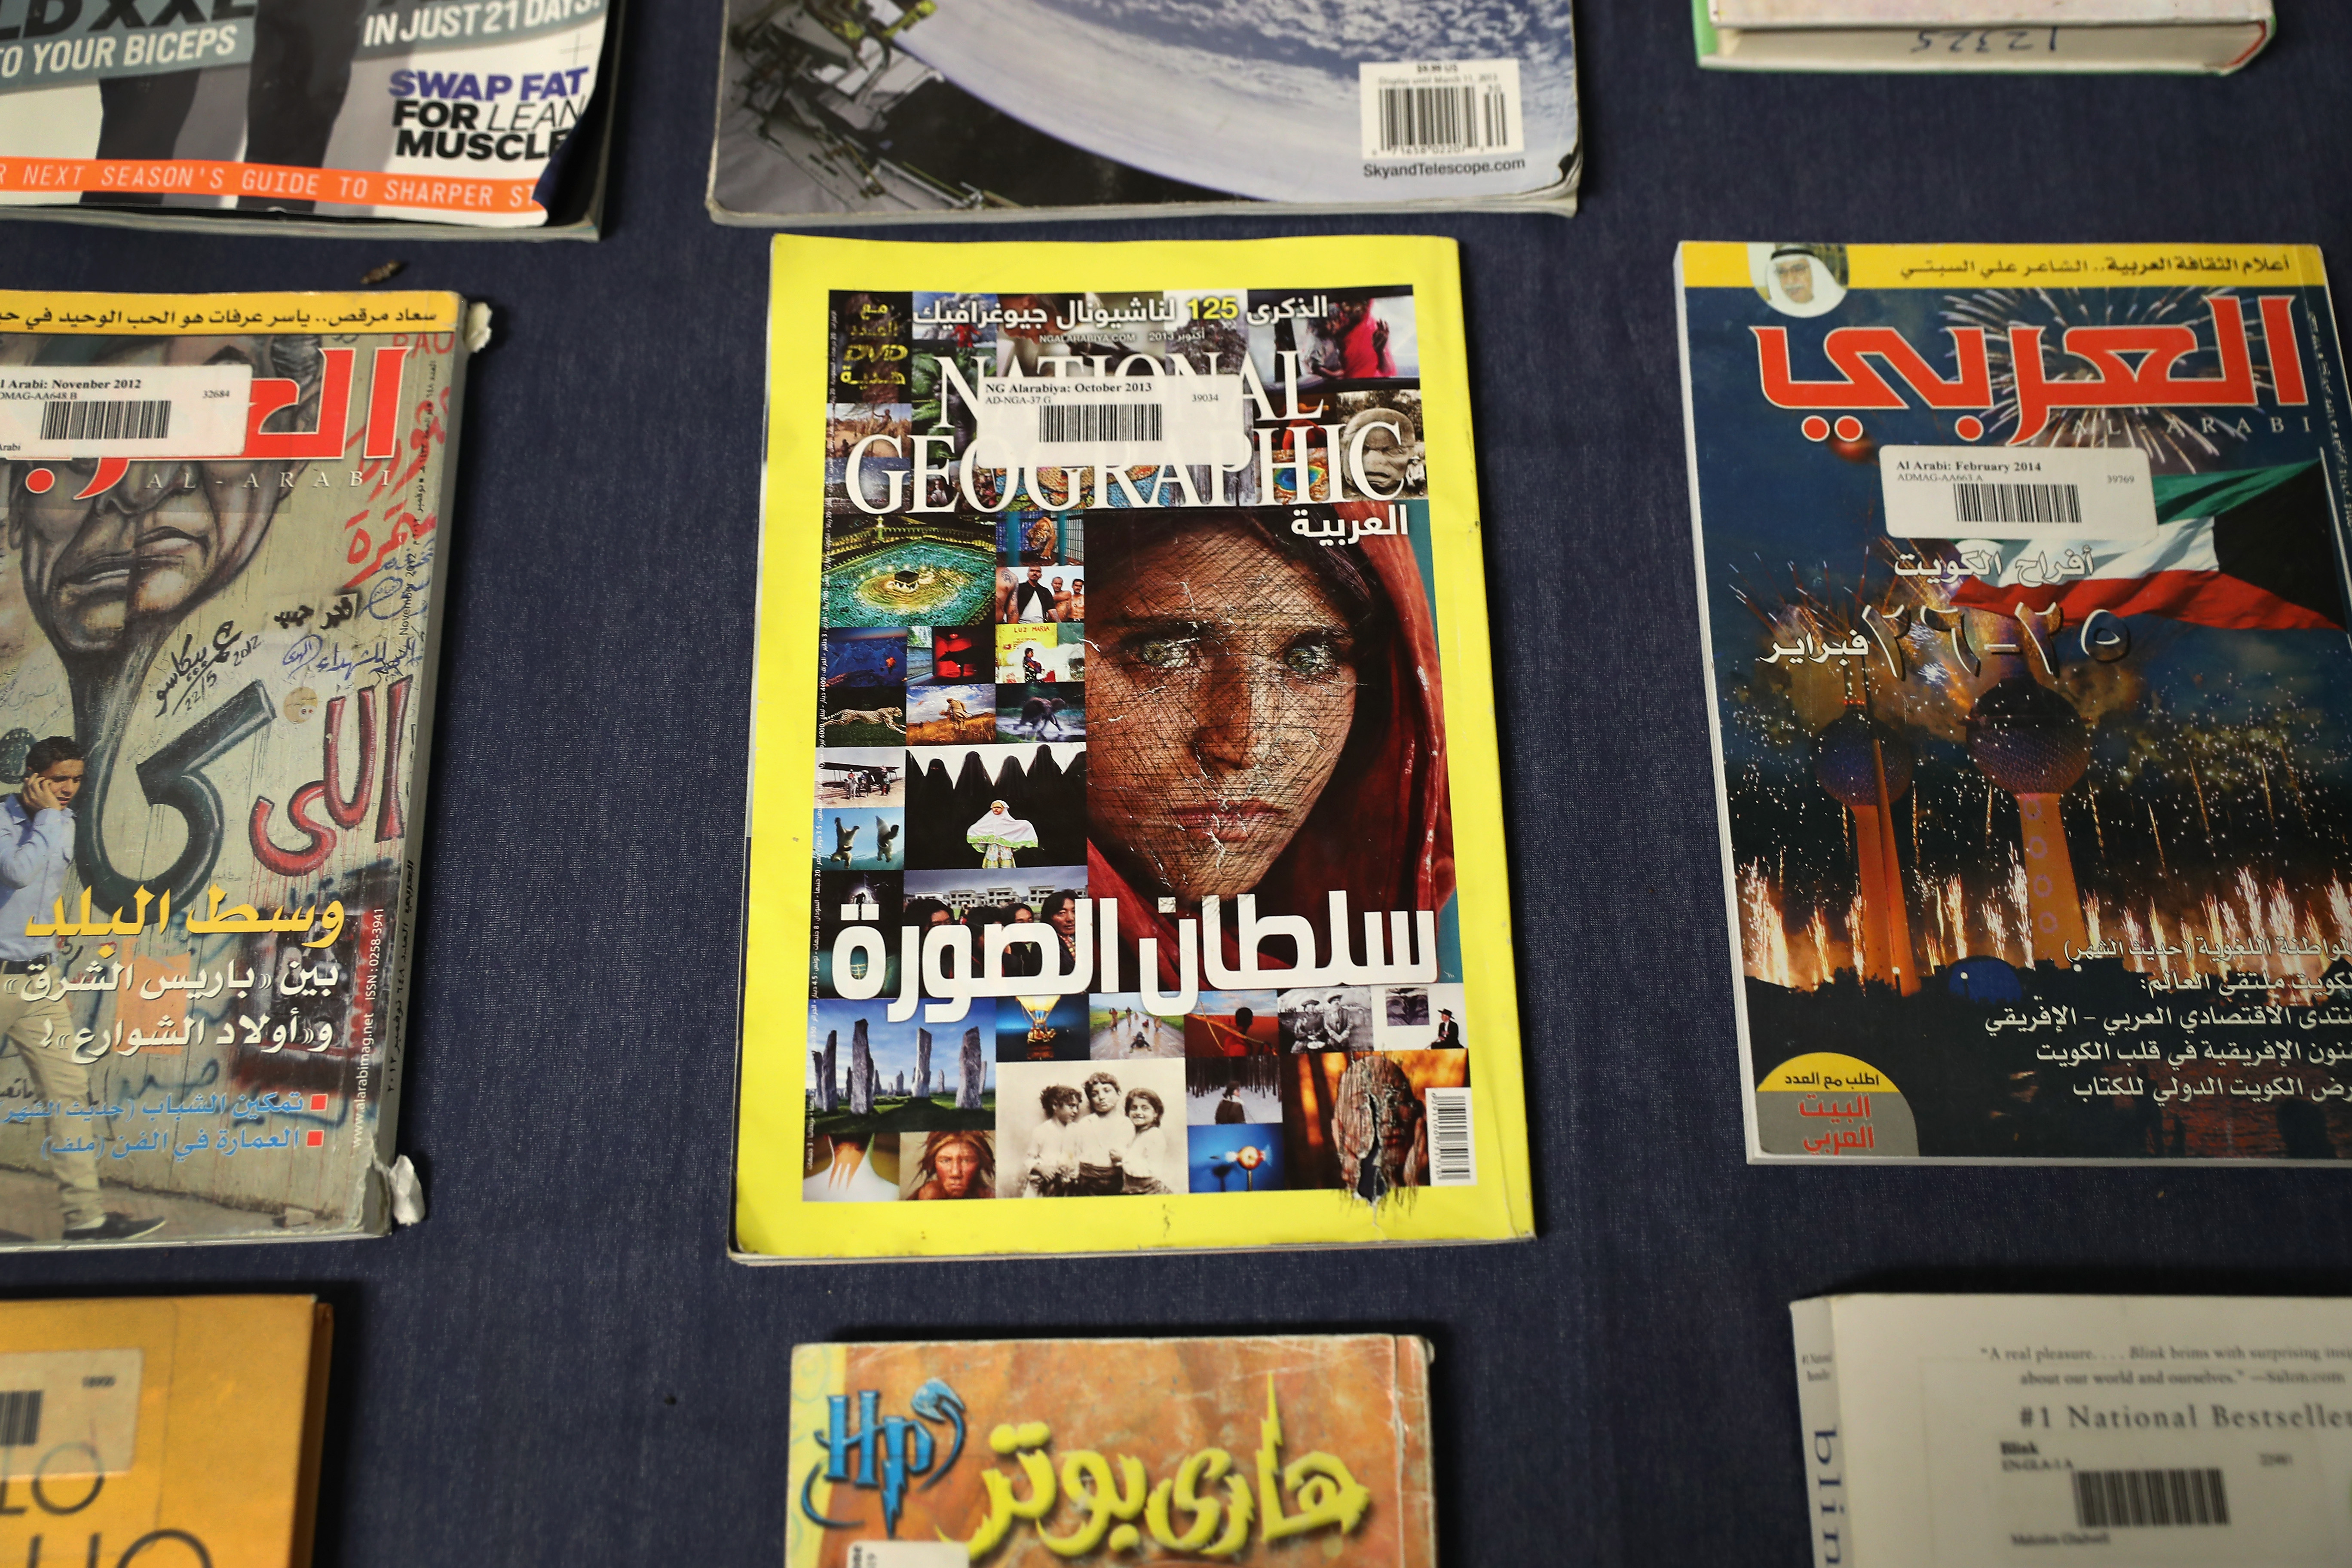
x: 1383, y: 832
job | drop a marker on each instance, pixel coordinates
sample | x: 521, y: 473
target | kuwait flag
x: 2246, y: 551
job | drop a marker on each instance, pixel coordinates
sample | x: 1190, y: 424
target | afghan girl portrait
x: 1267, y: 719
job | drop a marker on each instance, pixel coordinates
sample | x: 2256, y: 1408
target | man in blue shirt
x: 36, y: 844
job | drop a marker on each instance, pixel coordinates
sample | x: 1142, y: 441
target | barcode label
x: 909, y: 1555
x: 1441, y: 108
x: 1976, y: 504
x: 1453, y: 1147
x: 2054, y: 497
x: 1109, y: 421
x: 2108, y: 1499
x: 145, y: 419
x: 66, y: 412
x: 79, y: 1410
x: 20, y: 1418
x: 1098, y: 421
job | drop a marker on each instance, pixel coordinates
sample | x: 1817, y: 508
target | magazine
x: 314, y: 116
x: 224, y: 514
x: 1124, y: 828
x: 162, y: 1427
x: 872, y: 111
x: 1291, y: 1450
x: 2022, y: 576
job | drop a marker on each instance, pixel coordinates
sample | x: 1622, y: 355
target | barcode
x: 1444, y: 118
x: 1072, y: 422
x: 1452, y: 1158
x: 2104, y: 1499
x: 139, y: 419
x: 2017, y: 503
x: 20, y: 1418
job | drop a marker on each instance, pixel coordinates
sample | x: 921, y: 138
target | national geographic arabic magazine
x: 1125, y: 826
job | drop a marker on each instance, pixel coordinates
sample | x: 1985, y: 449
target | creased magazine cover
x: 1282, y: 1449
x: 267, y: 114
x: 218, y: 615
x: 2022, y: 572
x: 1125, y: 828
x: 874, y: 109
x: 150, y: 1429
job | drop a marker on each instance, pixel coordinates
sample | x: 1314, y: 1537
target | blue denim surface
x: 561, y: 1366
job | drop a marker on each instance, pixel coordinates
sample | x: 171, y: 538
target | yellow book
x: 162, y: 1431
x: 1184, y: 907
x: 1280, y: 1450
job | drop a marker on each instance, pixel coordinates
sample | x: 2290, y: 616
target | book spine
x: 393, y: 1005
x: 1818, y: 1414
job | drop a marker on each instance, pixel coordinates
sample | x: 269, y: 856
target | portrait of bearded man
x: 110, y: 578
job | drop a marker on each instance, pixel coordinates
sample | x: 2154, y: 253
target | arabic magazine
x: 2024, y: 591
x: 1124, y: 807
x: 224, y: 517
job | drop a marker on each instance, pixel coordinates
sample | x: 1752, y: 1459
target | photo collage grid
x: 951, y: 788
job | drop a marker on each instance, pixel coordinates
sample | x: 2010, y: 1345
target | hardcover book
x: 1987, y: 1431
x: 870, y: 110
x: 2208, y: 35
x: 217, y: 632
x: 2021, y: 570
x: 1289, y: 1450
x: 165, y: 1429
x: 468, y: 117
x: 1124, y: 824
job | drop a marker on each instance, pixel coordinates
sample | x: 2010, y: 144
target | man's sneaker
x: 114, y: 1227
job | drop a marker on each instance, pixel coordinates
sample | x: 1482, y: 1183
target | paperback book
x: 871, y: 111
x: 217, y: 635
x: 2213, y: 37
x: 1124, y: 826
x: 2022, y: 576
x: 1989, y: 1431
x: 1290, y: 1450
x: 318, y: 116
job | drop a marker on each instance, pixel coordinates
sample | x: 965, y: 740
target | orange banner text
x: 210, y: 178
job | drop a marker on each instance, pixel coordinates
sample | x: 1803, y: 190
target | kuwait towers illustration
x: 1866, y: 765
x: 2031, y: 741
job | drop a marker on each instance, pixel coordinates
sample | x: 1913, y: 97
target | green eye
x: 1313, y: 660
x: 1165, y: 653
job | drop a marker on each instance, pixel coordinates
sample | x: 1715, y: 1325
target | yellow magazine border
x: 771, y: 1222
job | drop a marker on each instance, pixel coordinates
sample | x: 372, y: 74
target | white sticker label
x: 124, y: 410
x: 1453, y: 1146
x: 2027, y: 492
x: 69, y: 1413
x: 908, y: 1554
x: 2143, y: 1461
x: 1441, y: 108
x: 1117, y: 421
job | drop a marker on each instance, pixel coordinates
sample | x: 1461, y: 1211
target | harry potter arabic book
x: 168, y: 1429
x: 873, y: 111
x: 2216, y: 36
x: 1285, y: 1450
x: 316, y: 116
x: 2023, y: 575
x: 218, y: 623
x: 1124, y: 824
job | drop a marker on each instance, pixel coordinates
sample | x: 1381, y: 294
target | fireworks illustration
x: 2174, y: 442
